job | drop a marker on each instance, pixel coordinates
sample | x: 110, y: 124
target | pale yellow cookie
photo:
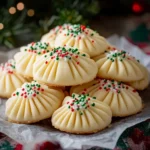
x: 28, y: 55
x: 83, y: 38
x: 64, y: 67
x: 143, y: 83
x: 33, y: 102
x: 9, y: 79
x: 51, y: 35
x: 82, y: 115
x: 122, y: 99
x: 118, y: 65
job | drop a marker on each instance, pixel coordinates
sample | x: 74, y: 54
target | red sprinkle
x: 109, y: 47
x: 134, y: 90
x: 34, y: 95
x: 83, y: 27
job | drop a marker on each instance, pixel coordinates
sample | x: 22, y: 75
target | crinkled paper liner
x: 106, y: 138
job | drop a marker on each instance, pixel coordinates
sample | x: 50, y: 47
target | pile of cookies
x: 76, y: 78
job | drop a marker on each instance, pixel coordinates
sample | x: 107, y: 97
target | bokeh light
x: 137, y: 8
x: 12, y: 10
x: 30, y: 12
x: 20, y: 6
x: 1, y: 26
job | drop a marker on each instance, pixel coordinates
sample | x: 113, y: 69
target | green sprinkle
x: 17, y: 93
x: 93, y: 104
x: 81, y: 113
x: 83, y: 55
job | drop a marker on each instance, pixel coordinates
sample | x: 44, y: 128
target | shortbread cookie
x: 33, y: 102
x: 118, y: 65
x: 9, y: 79
x: 82, y: 115
x: 143, y: 83
x: 28, y: 55
x: 64, y: 67
x: 123, y: 99
x: 51, y: 35
x: 83, y: 38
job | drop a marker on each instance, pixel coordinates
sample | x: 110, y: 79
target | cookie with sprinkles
x: 28, y: 55
x: 83, y: 38
x: 82, y: 114
x: 118, y: 65
x: 64, y: 67
x: 9, y: 79
x: 51, y: 35
x: 143, y: 83
x: 122, y: 99
x: 33, y: 102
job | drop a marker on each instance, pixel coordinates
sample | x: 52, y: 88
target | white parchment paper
x: 106, y: 138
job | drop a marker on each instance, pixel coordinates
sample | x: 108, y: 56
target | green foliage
x: 19, y: 25
x: 14, y: 25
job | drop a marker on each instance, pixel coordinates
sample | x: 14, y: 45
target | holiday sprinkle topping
x: 63, y: 53
x: 37, y: 48
x: 77, y: 29
x: 80, y: 102
x: 59, y: 28
x: 8, y: 67
x: 108, y: 85
x: 118, y: 54
x: 29, y: 90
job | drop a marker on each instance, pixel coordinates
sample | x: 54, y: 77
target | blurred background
x: 27, y: 20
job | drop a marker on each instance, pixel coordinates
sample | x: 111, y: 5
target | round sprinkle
x: 80, y: 103
x: 8, y: 67
x: 29, y: 90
